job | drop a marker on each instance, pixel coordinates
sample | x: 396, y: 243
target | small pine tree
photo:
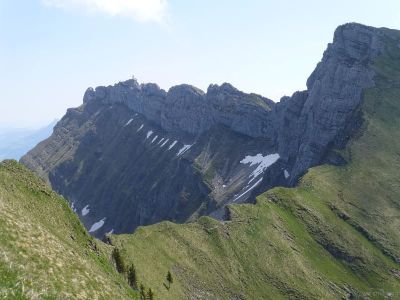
x: 119, y: 261
x: 132, y: 277
x: 142, y: 292
x: 169, y: 279
x: 150, y: 295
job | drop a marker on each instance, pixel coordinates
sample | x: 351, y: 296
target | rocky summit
x: 133, y: 154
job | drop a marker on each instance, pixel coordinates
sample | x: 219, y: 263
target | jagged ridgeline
x: 334, y: 236
x: 331, y: 232
x: 134, y: 154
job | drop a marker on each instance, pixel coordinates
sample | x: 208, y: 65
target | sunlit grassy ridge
x: 45, y: 252
x: 334, y: 236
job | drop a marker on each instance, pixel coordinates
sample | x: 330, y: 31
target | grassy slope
x: 45, y: 252
x: 335, y: 234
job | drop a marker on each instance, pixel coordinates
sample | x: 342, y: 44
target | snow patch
x: 286, y: 173
x: 172, y: 145
x: 73, y: 207
x: 156, y: 137
x: 110, y: 232
x: 248, y: 190
x: 97, y: 225
x: 163, y: 144
x: 160, y: 141
x: 129, y: 122
x: 140, y: 128
x: 262, y: 162
x: 149, y: 133
x: 85, y: 210
x: 183, y: 149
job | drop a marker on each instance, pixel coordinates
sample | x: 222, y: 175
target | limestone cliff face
x: 188, y: 109
x: 313, y: 122
x: 137, y: 154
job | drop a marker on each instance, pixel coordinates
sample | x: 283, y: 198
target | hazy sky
x: 52, y: 50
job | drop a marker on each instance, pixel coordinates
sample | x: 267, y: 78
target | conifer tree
x: 142, y: 292
x: 132, y: 277
x: 170, y: 279
x: 119, y: 261
x: 150, y: 295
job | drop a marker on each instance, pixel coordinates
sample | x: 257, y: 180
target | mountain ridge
x: 217, y: 129
x: 15, y: 142
x: 335, y: 235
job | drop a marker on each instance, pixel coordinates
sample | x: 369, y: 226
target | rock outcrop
x: 188, y: 109
x: 323, y: 117
x: 155, y: 155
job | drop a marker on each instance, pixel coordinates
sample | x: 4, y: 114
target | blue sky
x: 52, y: 50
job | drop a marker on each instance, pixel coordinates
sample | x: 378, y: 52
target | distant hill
x: 15, y: 142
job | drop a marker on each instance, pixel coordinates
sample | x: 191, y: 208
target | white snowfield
x: 262, y: 162
x: 140, y: 128
x: 248, y: 190
x: 286, y: 173
x: 154, y: 139
x: 184, y: 149
x: 160, y: 141
x: 73, y: 207
x: 85, y: 210
x: 163, y: 144
x: 149, y: 133
x: 172, y: 145
x: 97, y: 225
x: 129, y: 122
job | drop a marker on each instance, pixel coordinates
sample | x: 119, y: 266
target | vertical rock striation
x: 121, y: 151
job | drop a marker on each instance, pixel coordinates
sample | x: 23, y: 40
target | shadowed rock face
x: 187, y: 109
x: 313, y: 122
x: 137, y: 154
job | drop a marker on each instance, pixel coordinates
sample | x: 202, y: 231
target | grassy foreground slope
x: 45, y: 252
x: 336, y: 235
